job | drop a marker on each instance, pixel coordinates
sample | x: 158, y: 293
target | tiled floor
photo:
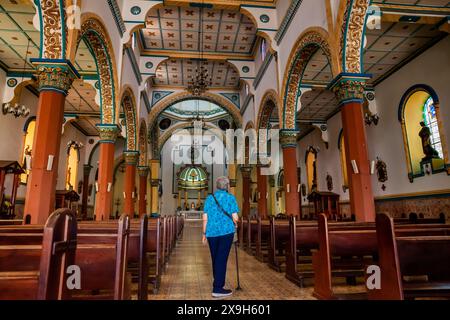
x: 188, y: 275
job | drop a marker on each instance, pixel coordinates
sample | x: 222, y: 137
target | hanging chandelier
x: 16, y: 109
x: 201, y: 82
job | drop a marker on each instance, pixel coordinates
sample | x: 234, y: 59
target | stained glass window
x: 429, y: 115
x: 263, y: 49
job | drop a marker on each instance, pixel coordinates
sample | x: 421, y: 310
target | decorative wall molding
x: 295, y: 5
x: 117, y: 15
x: 262, y: 70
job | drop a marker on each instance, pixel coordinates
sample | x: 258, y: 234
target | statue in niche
x: 314, y: 182
x: 69, y: 185
x: 428, y: 150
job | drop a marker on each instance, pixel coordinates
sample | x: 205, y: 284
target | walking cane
x: 238, y: 288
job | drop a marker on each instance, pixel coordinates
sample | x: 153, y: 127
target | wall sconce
x: 369, y: 119
x: 16, y: 110
x: 355, y: 167
x: 109, y: 186
x: 96, y: 187
x: 50, y: 162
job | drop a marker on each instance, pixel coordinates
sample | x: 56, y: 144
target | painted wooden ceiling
x: 17, y: 33
x: 190, y: 29
x: 179, y: 72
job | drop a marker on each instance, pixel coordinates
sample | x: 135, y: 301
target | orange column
x: 54, y: 82
x: 131, y: 158
x: 350, y: 93
x: 84, y: 201
x: 246, y: 179
x: 288, y: 140
x: 143, y: 175
x: 103, y: 204
x: 262, y: 193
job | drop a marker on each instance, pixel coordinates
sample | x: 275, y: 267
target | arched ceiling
x: 177, y: 29
x: 179, y: 72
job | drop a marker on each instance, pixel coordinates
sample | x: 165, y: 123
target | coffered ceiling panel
x: 179, y: 72
x: 395, y: 43
x: 317, y: 105
x: 81, y: 98
x: 193, y: 29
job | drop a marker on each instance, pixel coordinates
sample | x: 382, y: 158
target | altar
x: 192, y: 214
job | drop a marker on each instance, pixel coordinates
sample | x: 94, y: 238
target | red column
x: 143, y: 175
x: 246, y: 180
x: 288, y: 141
x: 350, y: 93
x: 262, y: 193
x: 54, y: 82
x: 131, y: 158
x: 84, y: 201
x: 103, y: 203
x: 360, y: 184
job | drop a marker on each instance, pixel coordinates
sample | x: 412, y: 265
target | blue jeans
x: 220, y: 250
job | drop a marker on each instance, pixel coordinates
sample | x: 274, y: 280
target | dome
x: 193, y: 177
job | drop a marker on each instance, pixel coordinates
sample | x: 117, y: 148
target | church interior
x: 116, y: 121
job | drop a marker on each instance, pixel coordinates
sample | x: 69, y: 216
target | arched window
x: 311, y: 169
x: 29, y: 130
x: 263, y: 49
x: 430, y: 119
x: 73, y: 158
x: 423, y: 138
x: 341, y: 147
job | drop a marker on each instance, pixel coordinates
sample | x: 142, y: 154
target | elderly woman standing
x: 219, y: 226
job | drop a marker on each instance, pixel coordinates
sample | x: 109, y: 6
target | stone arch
x: 185, y: 125
x: 309, y: 42
x: 53, y: 29
x: 353, y: 17
x: 208, y: 96
x: 99, y: 43
x: 143, y: 144
x: 128, y: 102
x: 269, y: 101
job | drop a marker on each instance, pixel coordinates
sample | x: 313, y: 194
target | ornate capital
x: 87, y: 169
x: 108, y: 132
x: 56, y: 75
x: 349, y: 87
x: 246, y: 171
x: 288, y: 138
x: 131, y: 157
x: 143, y: 171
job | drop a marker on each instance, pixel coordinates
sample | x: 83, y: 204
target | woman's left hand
x: 204, y: 239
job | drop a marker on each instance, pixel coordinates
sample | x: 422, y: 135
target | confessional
x: 8, y: 204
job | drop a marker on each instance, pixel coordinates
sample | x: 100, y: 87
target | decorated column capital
x: 288, y: 138
x: 349, y: 87
x: 55, y: 75
x: 87, y: 169
x: 143, y: 171
x: 131, y: 157
x: 108, y: 133
x: 246, y: 171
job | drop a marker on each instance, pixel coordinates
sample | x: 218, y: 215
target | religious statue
x: 428, y: 150
x: 69, y: 186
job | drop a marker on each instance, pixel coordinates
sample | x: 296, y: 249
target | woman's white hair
x: 223, y: 183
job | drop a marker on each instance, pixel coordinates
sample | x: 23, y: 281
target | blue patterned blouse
x: 218, y: 223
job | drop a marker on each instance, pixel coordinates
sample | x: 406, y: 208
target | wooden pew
x: 342, y: 253
x: 405, y: 255
x: 252, y: 234
x: 262, y: 239
x: 38, y: 271
x: 11, y: 222
x: 279, y: 235
x: 347, y: 250
x: 101, y: 255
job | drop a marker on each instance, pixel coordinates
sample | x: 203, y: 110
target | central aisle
x: 189, y: 277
